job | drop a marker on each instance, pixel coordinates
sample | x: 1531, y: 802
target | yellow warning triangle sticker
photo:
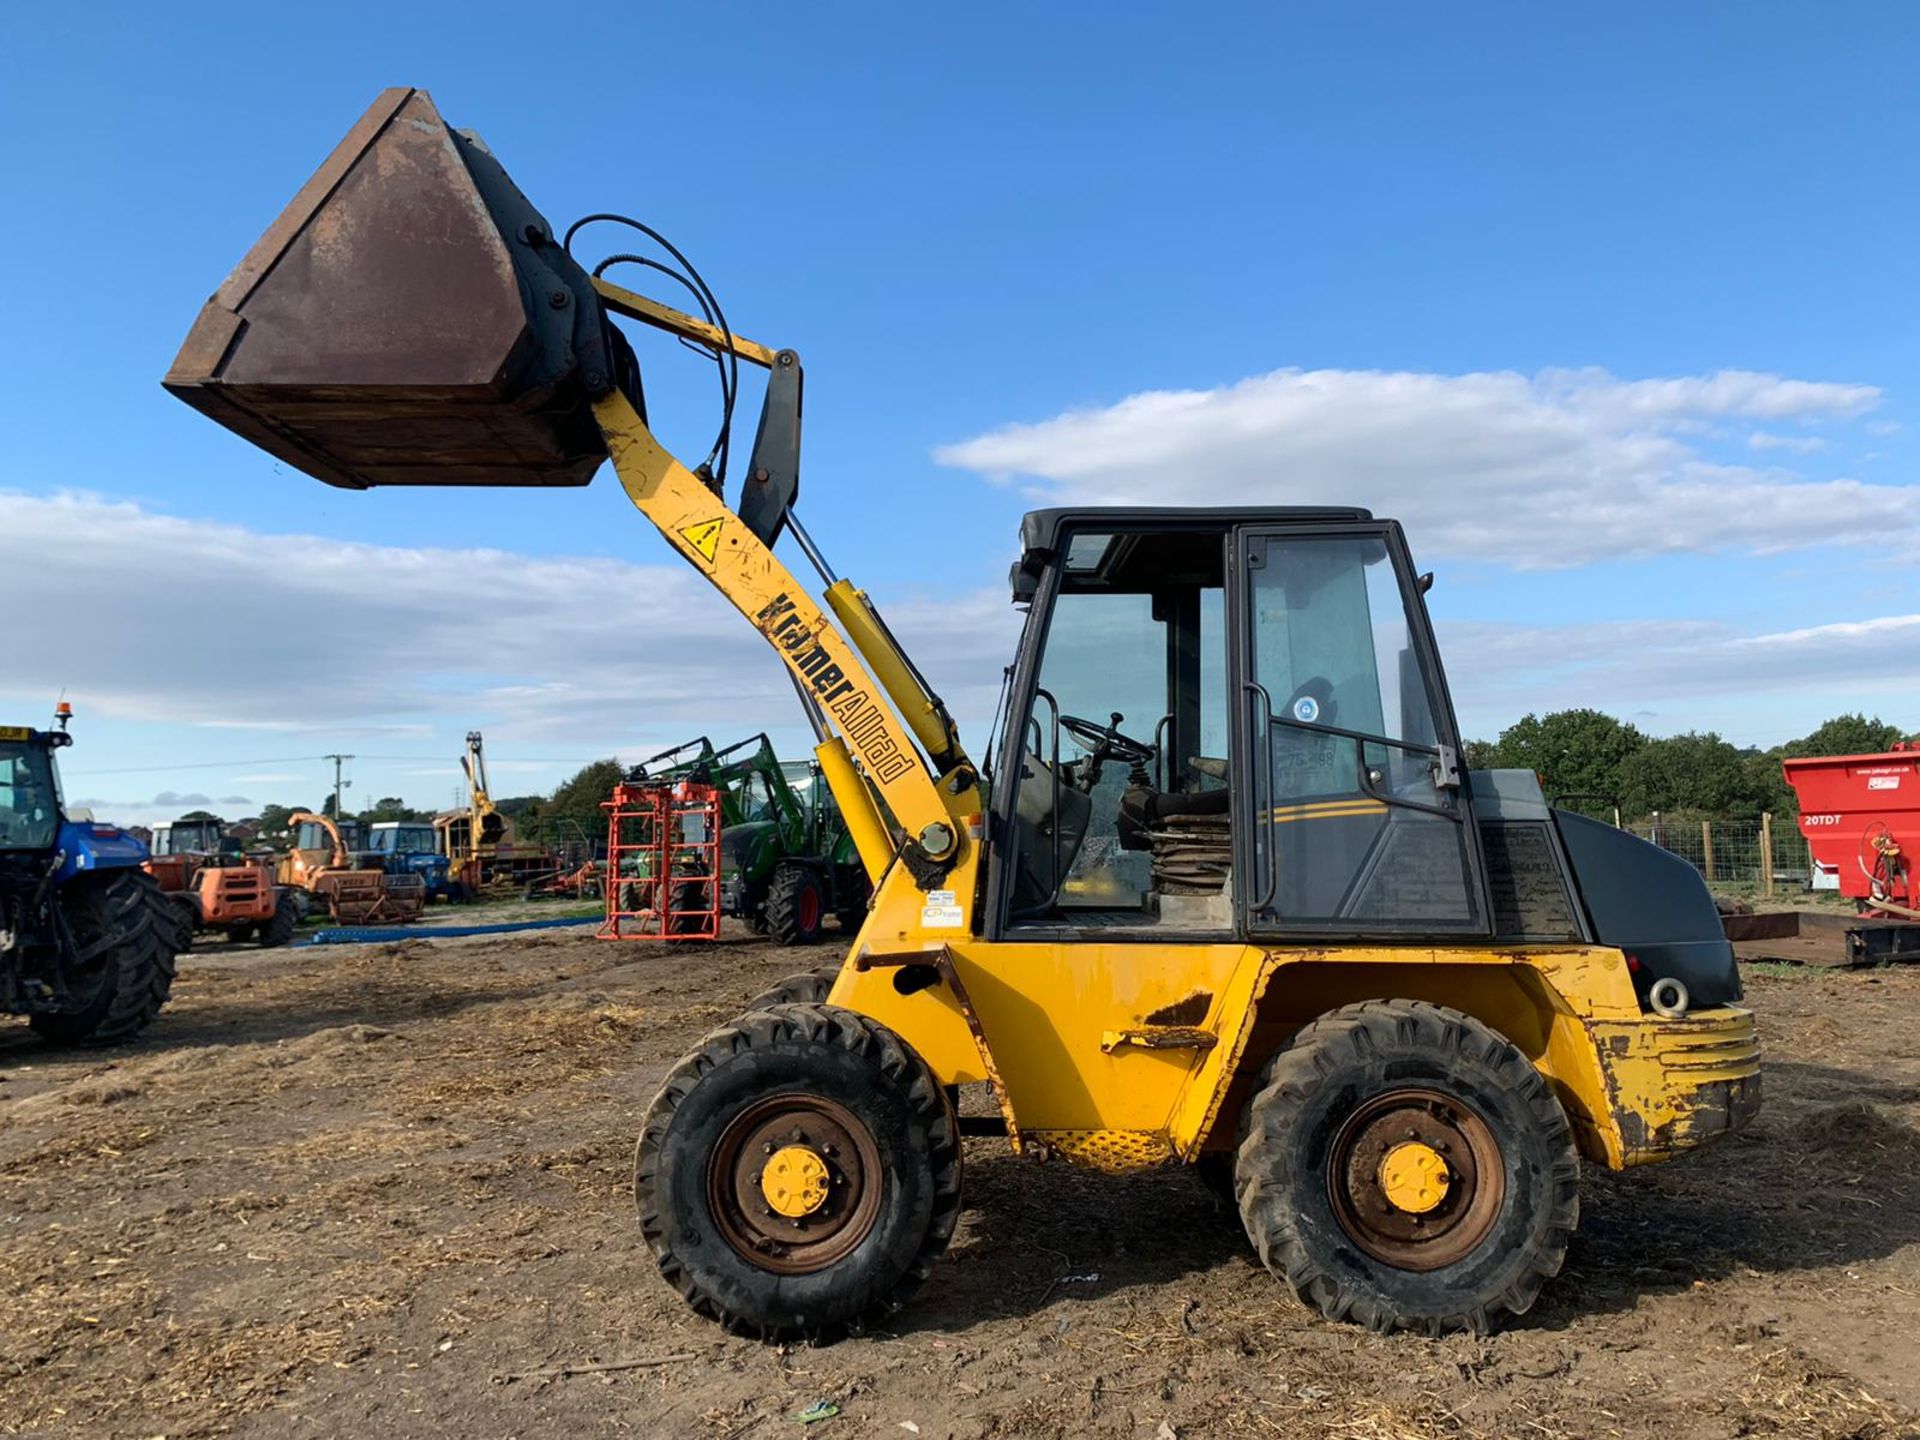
x: 704, y: 537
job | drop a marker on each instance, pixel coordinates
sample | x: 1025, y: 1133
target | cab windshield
x: 405, y: 840
x: 29, y: 796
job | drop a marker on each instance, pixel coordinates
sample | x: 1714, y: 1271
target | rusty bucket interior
x: 410, y: 319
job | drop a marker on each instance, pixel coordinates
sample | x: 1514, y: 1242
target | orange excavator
x: 355, y: 891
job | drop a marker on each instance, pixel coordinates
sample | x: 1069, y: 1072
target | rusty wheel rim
x: 1368, y: 1167
x: 795, y: 1244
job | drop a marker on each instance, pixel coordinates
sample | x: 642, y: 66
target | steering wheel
x: 1105, y: 742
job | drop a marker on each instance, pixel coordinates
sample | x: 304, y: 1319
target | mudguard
x: 85, y: 846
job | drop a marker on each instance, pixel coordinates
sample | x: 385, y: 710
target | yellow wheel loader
x: 1224, y: 895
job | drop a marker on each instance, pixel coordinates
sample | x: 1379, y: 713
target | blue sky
x: 1615, y: 309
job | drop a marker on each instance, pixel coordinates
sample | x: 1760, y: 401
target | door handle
x: 1263, y: 800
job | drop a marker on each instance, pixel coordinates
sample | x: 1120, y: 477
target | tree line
x: 1587, y: 754
x: 1607, y: 762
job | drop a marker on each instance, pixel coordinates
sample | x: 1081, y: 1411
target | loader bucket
x: 409, y: 319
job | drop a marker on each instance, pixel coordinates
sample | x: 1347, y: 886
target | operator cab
x: 29, y: 790
x: 1228, y: 723
x: 193, y: 837
x: 403, y: 837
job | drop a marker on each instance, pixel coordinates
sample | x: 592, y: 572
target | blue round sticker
x: 1306, y: 709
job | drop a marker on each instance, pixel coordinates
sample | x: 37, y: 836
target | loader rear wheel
x: 794, y: 906
x: 1404, y: 1167
x: 279, y: 930
x: 799, y: 1173
x: 121, y: 987
x: 810, y: 987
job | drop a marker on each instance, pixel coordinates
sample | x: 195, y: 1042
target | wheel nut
x: 768, y: 1148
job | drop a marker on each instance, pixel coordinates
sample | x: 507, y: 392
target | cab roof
x: 1041, y: 531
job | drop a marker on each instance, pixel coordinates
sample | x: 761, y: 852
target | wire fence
x: 1764, y: 852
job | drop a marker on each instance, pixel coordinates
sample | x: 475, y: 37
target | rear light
x: 1633, y: 964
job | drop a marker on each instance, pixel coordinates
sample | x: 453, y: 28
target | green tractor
x: 786, y: 860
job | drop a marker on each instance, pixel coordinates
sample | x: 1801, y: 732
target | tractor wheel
x: 794, y: 907
x: 854, y: 897
x: 689, y: 895
x: 279, y: 930
x: 184, y: 919
x: 799, y: 1173
x: 808, y: 988
x: 1404, y: 1167
x: 122, y: 987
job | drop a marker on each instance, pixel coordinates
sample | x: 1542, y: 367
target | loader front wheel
x: 799, y: 1173
x: 1404, y: 1167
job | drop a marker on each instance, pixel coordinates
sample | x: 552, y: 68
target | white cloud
x: 576, y: 665
x: 166, y: 804
x: 315, y: 650
x: 1561, y: 468
x: 1691, y: 673
x: 1764, y: 440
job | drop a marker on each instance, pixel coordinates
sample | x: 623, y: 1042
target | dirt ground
x: 357, y: 1191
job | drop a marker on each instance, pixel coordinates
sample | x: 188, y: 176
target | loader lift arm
x: 867, y: 702
x: 510, y: 371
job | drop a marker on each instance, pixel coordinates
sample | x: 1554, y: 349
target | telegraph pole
x: 338, y: 783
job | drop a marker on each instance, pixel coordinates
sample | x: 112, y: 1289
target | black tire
x: 893, y: 1221
x: 855, y: 893
x: 185, y: 920
x: 795, y: 907
x: 810, y: 987
x: 130, y: 980
x: 1341, y: 1090
x: 689, y: 896
x: 279, y: 930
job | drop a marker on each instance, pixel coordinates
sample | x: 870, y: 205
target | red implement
x: 663, y: 862
x: 1861, y: 817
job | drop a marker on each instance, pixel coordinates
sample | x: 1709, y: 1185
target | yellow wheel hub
x: 794, y: 1181
x: 1414, y: 1177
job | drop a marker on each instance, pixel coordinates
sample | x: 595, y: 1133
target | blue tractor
x: 408, y: 847
x: 87, y: 938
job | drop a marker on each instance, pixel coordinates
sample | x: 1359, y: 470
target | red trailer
x: 1861, y: 817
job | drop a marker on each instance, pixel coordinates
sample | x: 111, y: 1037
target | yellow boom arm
x: 858, y: 684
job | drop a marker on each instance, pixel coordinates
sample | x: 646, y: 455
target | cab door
x: 1351, y: 816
